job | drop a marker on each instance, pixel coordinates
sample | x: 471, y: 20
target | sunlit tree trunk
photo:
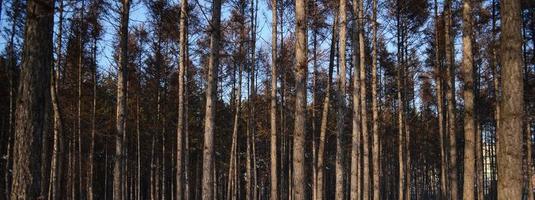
x: 340, y: 95
x: 375, y: 112
x: 512, y: 104
x: 31, y: 109
x: 400, y: 74
x: 273, y: 103
x: 181, y: 83
x: 363, y: 110
x: 208, y: 150
x: 468, y: 97
x: 356, y: 168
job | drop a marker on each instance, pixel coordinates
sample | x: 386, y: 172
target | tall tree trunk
x: 400, y: 87
x: 450, y: 98
x: 529, y: 163
x: 375, y: 111
x: 138, y: 144
x: 340, y: 95
x: 57, y: 146
x: 363, y: 108
x: 440, y: 107
x: 273, y: 101
x: 121, y: 102
x: 90, y: 195
x: 186, y: 129
x: 79, y: 101
x: 512, y: 103
x: 355, y: 177
x: 320, y: 167
x: 31, y: 110
x: 213, y: 65
x: 233, y: 172
x: 468, y: 97
x: 181, y: 83
x: 298, y: 180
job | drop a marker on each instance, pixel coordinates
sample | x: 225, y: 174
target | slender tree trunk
x: 298, y: 180
x: 314, y: 98
x: 273, y: 101
x: 33, y: 89
x: 529, y: 159
x: 400, y: 75
x: 181, y: 83
x: 340, y: 95
x: 355, y: 178
x: 468, y: 97
x: 152, y: 184
x: 450, y: 98
x: 121, y: 102
x: 320, y: 167
x: 138, y: 144
x: 79, y: 102
x: 512, y: 103
x: 57, y: 146
x: 375, y: 111
x: 440, y: 107
x: 363, y: 108
x: 90, y: 195
x: 186, y: 129
x: 213, y: 65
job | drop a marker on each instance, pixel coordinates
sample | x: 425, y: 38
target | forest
x: 267, y: 99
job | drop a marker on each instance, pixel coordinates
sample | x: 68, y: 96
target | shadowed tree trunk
x: 57, y: 146
x: 118, y: 177
x: 440, y: 107
x: 320, y: 167
x: 512, y: 104
x: 298, y: 179
x: 450, y: 98
x: 31, y: 103
x: 181, y: 83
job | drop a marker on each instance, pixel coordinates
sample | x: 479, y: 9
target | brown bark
x: 400, y: 109
x: 320, y: 167
x: 375, y: 110
x: 468, y: 97
x: 440, y: 107
x: 450, y: 98
x: 121, y: 102
x: 181, y: 82
x: 57, y: 146
x: 31, y: 110
x: 273, y: 101
x: 363, y: 107
x: 208, y: 150
x: 340, y: 95
x: 355, y: 185
x: 298, y: 179
x: 512, y: 103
